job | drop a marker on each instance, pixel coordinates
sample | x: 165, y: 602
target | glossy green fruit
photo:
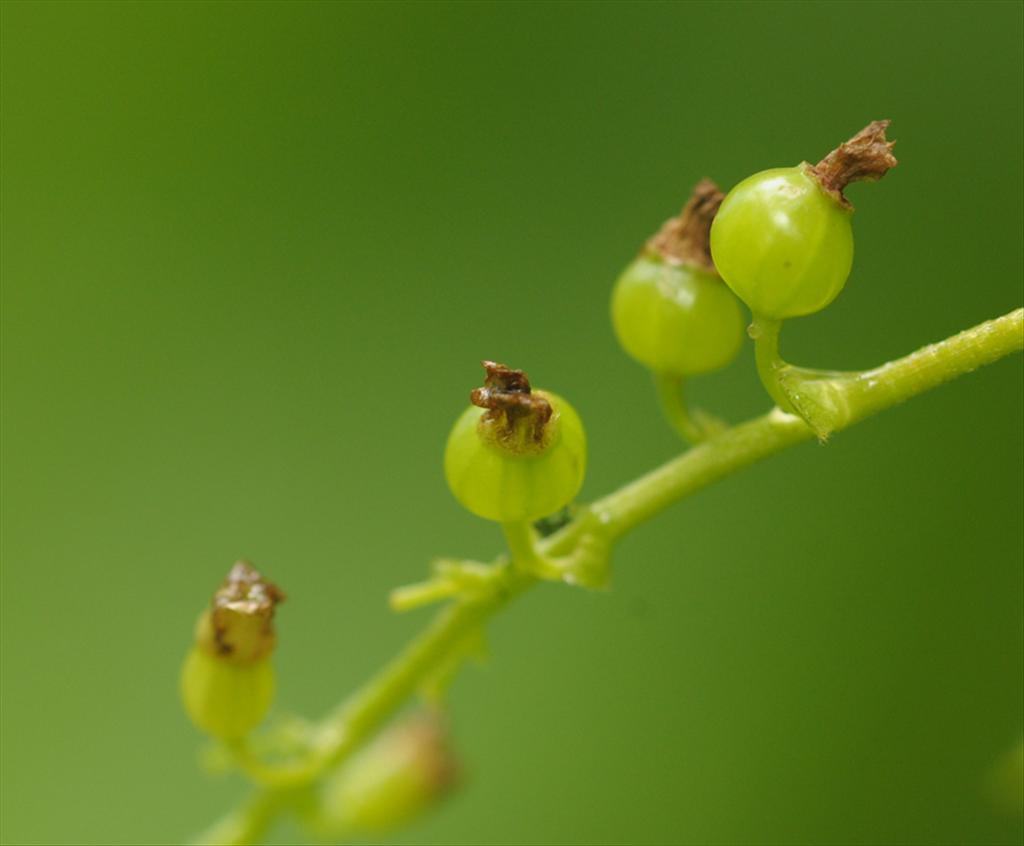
x: 226, y: 699
x: 676, y: 318
x: 782, y: 243
x: 512, y: 480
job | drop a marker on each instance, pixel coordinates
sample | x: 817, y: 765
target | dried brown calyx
x: 686, y: 239
x: 239, y: 625
x: 866, y: 156
x: 516, y: 416
x: 425, y: 742
x: 406, y: 770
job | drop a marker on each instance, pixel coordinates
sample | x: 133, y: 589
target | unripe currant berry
x: 516, y: 454
x: 782, y: 239
x: 398, y: 777
x: 227, y: 681
x: 670, y: 310
x: 226, y: 700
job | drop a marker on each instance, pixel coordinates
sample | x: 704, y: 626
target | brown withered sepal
x: 241, y: 614
x: 686, y: 238
x: 510, y: 402
x: 428, y: 743
x: 866, y: 156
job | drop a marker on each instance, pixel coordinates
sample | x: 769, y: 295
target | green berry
x: 676, y: 319
x: 227, y: 681
x: 516, y: 454
x: 783, y: 244
x: 394, y: 780
x: 782, y: 238
x: 226, y: 700
x: 670, y: 310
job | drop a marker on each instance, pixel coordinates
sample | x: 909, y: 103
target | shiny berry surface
x: 676, y: 318
x: 783, y: 244
x: 509, y: 485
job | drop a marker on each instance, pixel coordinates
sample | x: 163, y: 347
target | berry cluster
x: 781, y: 243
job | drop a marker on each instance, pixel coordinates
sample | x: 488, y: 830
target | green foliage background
x: 252, y: 254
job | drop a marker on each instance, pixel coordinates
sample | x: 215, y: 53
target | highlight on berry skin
x: 783, y: 240
x: 516, y: 453
x: 670, y: 309
x: 227, y: 680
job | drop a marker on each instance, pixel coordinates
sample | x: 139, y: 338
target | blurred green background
x: 252, y: 255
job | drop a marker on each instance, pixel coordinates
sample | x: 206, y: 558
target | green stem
x: 673, y: 406
x: 370, y: 706
x: 522, y: 546
x: 697, y: 468
x: 765, y: 333
x: 858, y: 397
x: 246, y: 824
x: 892, y: 383
x: 408, y: 597
x: 530, y: 558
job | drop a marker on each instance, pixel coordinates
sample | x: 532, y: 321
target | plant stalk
x: 853, y: 397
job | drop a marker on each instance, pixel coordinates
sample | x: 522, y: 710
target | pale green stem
x: 355, y: 719
x: 522, y: 546
x: 528, y: 557
x: 370, y: 706
x: 673, y: 406
x: 246, y: 824
x: 697, y: 468
x: 861, y: 397
x: 765, y: 333
x: 892, y: 383
x: 617, y: 513
x: 408, y: 597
